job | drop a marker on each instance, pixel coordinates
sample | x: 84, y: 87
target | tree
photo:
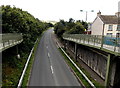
x: 85, y: 24
x: 59, y: 28
x: 71, y: 20
x: 77, y: 29
x: 15, y: 20
x: 70, y: 27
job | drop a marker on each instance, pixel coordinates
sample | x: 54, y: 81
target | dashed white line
x: 51, y: 69
x: 48, y: 55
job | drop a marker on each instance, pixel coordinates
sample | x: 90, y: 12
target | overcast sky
x: 65, y: 9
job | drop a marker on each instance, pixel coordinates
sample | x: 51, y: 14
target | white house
x: 106, y: 25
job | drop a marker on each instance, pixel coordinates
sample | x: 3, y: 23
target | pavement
x: 49, y: 67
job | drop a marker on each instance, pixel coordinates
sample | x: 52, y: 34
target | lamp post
x: 86, y: 13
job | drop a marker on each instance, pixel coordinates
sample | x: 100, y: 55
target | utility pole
x: 86, y: 13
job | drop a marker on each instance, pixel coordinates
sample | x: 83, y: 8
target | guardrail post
x: 76, y: 51
x: 3, y: 44
x: 83, y: 39
x: 94, y: 39
x: 119, y: 44
x: 88, y: 39
x: 65, y: 44
x: 102, y: 41
x: 115, y: 44
x: 108, y: 71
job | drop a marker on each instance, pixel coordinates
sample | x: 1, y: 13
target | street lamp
x: 86, y: 13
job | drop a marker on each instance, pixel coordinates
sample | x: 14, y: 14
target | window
x: 118, y: 28
x: 118, y: 35
x: 109, y: 34
x: 110, y: 28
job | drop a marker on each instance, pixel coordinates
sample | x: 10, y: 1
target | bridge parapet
x: 8, y: 40
x: 107, y: 43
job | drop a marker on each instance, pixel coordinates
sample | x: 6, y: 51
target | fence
x: 8, y: 40
x: 110, y: 43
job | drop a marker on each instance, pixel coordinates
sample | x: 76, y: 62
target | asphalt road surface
x: 49, y: 68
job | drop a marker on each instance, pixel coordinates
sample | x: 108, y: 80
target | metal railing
x: 103, y: 42
x: 8, y: 40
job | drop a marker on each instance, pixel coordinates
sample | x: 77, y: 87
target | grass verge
x: 86, y: 84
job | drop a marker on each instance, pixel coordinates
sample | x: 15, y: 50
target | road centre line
x: 47, y: 47
x: 48, y: 55
x: 51, y: 69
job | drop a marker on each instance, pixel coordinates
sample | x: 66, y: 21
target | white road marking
x: 47, y: 47
x: 51, y: 69
x: 48, y: 55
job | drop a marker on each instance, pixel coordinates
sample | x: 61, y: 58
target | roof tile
x: 110, y: 19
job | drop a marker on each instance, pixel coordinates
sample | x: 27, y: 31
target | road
x: 49, y: 67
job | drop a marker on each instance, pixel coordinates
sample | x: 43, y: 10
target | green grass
x: 12, y: 68
x: 98, y: 85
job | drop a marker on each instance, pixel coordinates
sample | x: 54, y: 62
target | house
x: 106, y: 25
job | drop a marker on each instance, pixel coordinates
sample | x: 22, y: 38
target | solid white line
x: 51, y: 69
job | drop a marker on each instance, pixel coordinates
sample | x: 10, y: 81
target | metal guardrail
x: 106, y: 42
x: 26, y: 65
x: 8, y: 40
x: 86, y: 78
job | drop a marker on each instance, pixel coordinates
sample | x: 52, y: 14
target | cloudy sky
x: 65, y: 9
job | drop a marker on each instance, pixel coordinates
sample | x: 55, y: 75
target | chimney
x: 117, y: 14
x: 99, y: 13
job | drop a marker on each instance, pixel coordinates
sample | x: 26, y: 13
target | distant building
x: 106, y: 25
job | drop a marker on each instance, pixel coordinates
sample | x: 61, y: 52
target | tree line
x: 15, y: 20
x: 70, y: 27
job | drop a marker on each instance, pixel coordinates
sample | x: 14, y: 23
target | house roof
x: 110, y: 19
